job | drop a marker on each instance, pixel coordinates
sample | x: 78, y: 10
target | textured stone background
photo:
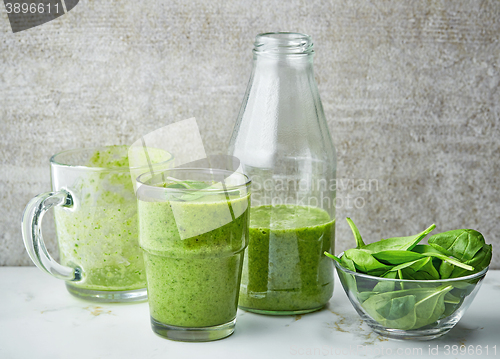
x: 410, y: 90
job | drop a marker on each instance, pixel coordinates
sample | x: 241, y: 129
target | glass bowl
x: 410, y: 309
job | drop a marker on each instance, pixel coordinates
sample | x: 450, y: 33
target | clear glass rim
x: 55, y: 161
x: 283, y: 43
x: 246, y: 183
x: 447, y: 280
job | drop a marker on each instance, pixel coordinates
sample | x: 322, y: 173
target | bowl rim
x: 447, y: 280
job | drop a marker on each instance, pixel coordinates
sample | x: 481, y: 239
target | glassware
x: 282, y: 140
x: 95, y: 211
x: 193, y: 230
x: 410, y: 309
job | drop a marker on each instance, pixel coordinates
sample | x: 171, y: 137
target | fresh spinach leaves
x: 407, y: 309
x: 462, y: 244
x: 411, y: 305
x: 449, y: 254
x: 397, y: 243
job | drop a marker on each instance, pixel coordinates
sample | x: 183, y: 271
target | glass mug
x: 193, y: 230
x: 95, y: 212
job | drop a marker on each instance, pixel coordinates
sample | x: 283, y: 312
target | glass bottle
x: 282, y: 140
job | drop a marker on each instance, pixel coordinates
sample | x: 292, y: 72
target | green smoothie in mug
x: 100, y: 235
x: 96, y: 222
x: 193, y: 234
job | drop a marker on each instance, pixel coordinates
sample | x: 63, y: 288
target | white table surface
x: 40, y: 319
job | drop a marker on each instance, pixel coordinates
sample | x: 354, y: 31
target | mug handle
x: 32, y: 234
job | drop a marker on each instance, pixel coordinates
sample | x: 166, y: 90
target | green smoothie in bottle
x: 282, y: 140
x: 285, y: 271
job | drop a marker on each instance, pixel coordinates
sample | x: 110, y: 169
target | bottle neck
x: 282, y: 54
x: 289, y: 44
x: 284, y: 67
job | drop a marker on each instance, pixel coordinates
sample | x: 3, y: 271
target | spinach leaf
x: 462, y: 244
x: 396, y: 257
x: 421, y: 270
x: 343, y: 261
x: 334, y: 257
x: 445, y: 270
x: 402, y: 316
x: 397, y: 308
x: 401, y: 266
x: 348, y: 280
x: 362, y: 296
x: 355, y: 231
x: 399, y: 257
x: 425, y: 248
x: 365, y: 262
x: 441, y: 261
x: 407, y: 309
x: 386, y: 286
x: 430, y: 308
x: 348, y: 263
x: 454, y: 298
x: 398, y: 243
x: 480, y: 261
x: 450, y: 260
x: 451, y: 299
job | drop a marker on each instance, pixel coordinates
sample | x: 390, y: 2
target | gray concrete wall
x: 410, y: 90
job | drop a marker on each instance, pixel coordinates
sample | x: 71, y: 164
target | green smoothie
x: 285, y: 271
x: 193, y: 252
x: 99, y: 233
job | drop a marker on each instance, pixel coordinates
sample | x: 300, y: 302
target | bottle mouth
x: 287, y: 43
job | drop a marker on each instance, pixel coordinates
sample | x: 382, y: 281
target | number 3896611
x: 477, y: 350
x: 25, y: 8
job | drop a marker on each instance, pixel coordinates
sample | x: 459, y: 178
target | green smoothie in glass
x: 285, y: 271
x: 193, y: 235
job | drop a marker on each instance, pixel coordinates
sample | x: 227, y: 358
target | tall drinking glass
x: 193, y: 230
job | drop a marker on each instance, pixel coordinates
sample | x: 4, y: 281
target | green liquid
x: 99, y: 233
x: 193, y: 281
x: 103, y: 242
x: 285, y: 269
